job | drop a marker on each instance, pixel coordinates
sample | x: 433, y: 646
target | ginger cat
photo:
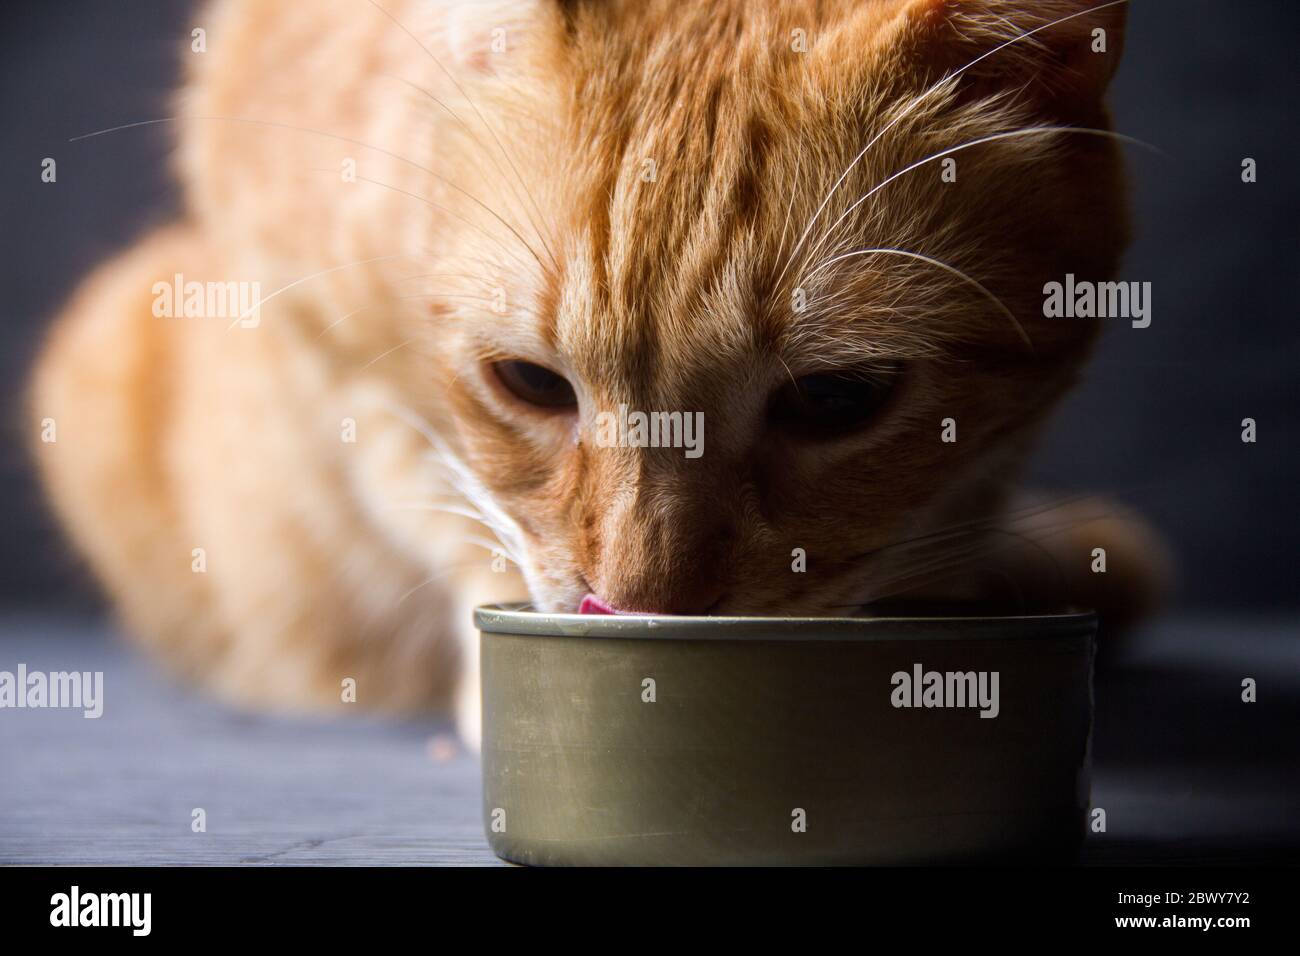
x: 476, y: 228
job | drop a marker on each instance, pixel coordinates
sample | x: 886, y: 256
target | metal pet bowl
x: 611, y: 740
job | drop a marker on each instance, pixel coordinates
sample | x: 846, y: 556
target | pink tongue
x: 594, y: 605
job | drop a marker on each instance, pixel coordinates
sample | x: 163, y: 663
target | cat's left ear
x: 1062, y: 52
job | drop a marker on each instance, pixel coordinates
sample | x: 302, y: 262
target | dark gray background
x: 1156, y: 423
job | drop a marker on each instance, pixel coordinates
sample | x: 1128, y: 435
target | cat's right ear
x: 1062, y: 53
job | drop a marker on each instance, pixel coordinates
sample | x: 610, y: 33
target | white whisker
x: 467, y: 485
x: 433, y: 205
x: 445, y: 509
x: 1029, y: 131
x: 297, y: 282
x: 381, y: 355
x: 916, y: 102
x: 472, y: 105
x: 937, y: 263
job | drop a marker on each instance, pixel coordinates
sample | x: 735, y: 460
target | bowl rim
x: 512, y: 619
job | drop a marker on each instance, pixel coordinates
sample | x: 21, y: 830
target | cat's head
x: 819, y: 232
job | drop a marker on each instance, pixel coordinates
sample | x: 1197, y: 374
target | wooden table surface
x: 1184, y: 769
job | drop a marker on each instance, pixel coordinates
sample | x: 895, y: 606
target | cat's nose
x: 666, y: 548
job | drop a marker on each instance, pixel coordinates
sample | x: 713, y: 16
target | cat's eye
x: 535, y: 384
x: 824, y: 404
